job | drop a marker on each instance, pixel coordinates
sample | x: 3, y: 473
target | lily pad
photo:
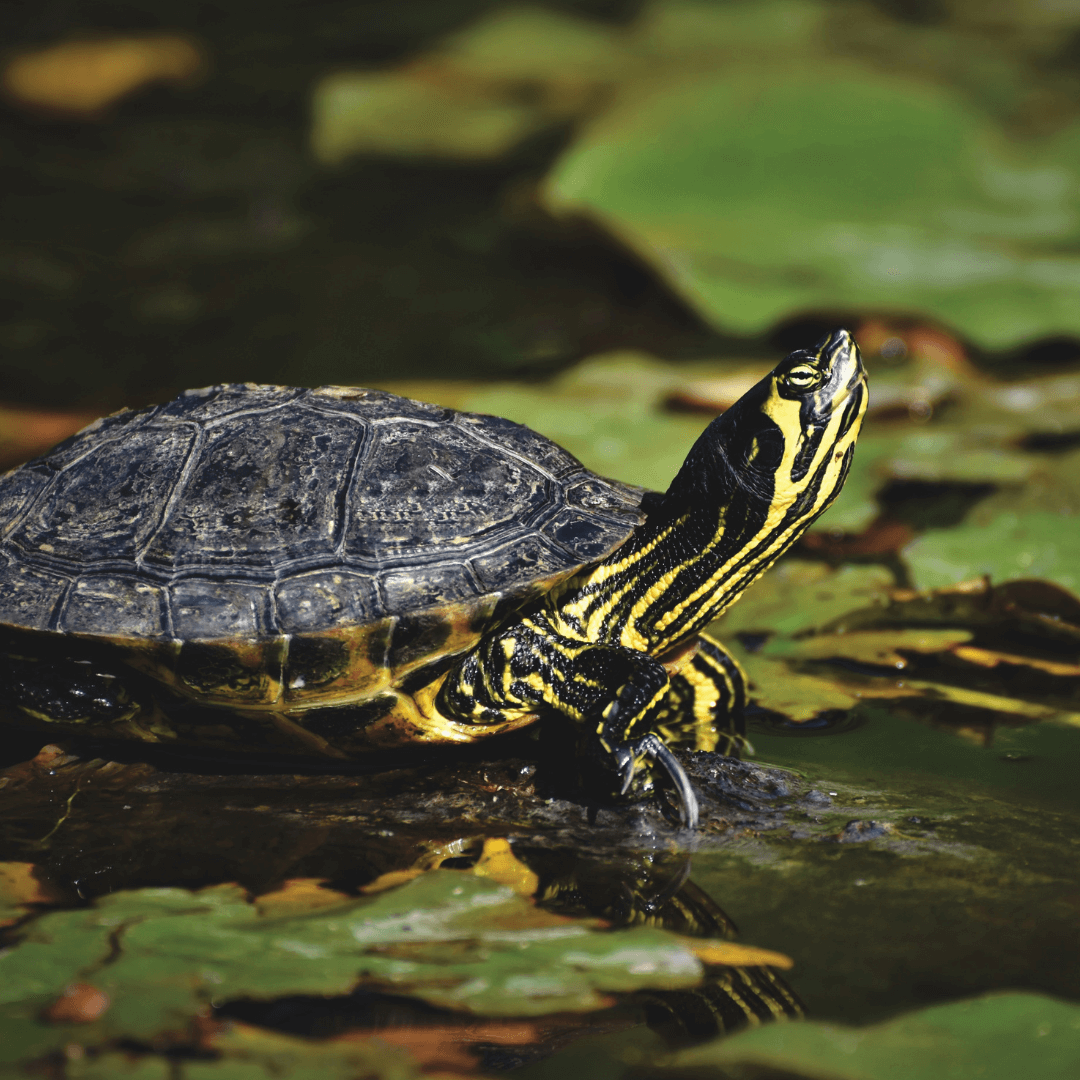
x: 475, y: 96
x: 998, y: 1037
x: 797, y: 596
x: 767, y: 189
x: 1037, y: 544
x: 153, y: 959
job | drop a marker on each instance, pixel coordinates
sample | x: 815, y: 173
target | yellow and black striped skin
x: 620, y: 647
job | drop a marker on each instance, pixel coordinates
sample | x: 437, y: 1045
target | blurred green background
x: 375, y: 189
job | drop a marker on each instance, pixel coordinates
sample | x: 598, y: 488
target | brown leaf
x: 80, y: 1003
x: 449, y: 1046
x: 884, y: 536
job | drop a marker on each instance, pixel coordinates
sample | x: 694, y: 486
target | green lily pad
x: 607, y: 413
x: 797, y: 596
x: 767, y: 189
x: 475, y: 96
x: 998, y: 1037
x: 1038, y: 544
x: 160, y: 956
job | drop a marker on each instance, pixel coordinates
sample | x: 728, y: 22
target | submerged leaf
x: 248, y: 1053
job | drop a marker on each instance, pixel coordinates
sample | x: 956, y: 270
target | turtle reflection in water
x: 321, y: 573
x: 655, y: 889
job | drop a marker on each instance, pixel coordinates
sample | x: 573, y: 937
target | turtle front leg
x: 612, y: 690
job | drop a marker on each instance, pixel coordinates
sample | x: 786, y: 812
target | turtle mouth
x: 845, y: 377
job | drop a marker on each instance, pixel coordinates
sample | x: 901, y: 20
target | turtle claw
x: 624, y: 766
x: 655, y: 747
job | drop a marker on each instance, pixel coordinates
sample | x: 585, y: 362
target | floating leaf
x: 998, y: 1037
x: 766, y: 189
x: 398, y: 114
x: 155, y: 958
x: 796, y: 596
x: 1037, y: 544
x: 814, y: 636
x: 867, y: 646
x: 475, y: 96
x: 801, y: 696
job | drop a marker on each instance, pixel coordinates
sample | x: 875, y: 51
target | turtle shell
x: 266, y: 547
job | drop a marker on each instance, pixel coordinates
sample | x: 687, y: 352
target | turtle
x: 323, y: 573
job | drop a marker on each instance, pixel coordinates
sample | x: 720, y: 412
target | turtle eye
x: 802, y: 377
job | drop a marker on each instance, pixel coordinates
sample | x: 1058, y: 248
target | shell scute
x: 235, y: 673
x: 29, y: 596
x: 422, y: 490
x: 211, y: 403
x: 120, y: 600
x: 549, y: 456
x: 315, y: 660
x: 114, y: 426
x: 337, y: 665
x: 524, y: 560
x: 260, y: 493
x: 607, y: 499
x: 18, y: 489
x: 323, y: 599
x: 205, y: 608
x: 376, y: 404
x: 106, y: 504
x: 588, y: 538
x: 420, y: 587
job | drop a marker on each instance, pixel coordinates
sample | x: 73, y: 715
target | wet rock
x: 855, y: 832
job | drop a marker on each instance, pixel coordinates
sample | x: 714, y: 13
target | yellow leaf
x: 20, y: 885
x: 82, y: 78
x: 873, y: 646
x: 498, y: 862
x: 393, y: 878
x: 296, y: 895
x: 990, y: 658
x: 731, y: 954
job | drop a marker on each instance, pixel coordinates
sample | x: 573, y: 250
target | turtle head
x: 780, y: 454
